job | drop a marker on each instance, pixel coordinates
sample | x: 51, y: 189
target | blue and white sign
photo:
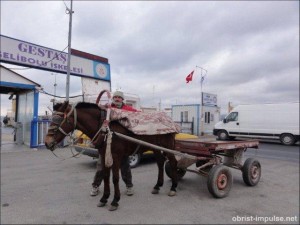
x: 209, y: 99
x: 101, y: 71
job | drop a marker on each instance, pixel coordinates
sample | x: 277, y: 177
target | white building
x: 189, y: 117
x: 132, y: 100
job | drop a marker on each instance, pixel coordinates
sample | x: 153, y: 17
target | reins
x: 73, y: 140
x: 103, y: 128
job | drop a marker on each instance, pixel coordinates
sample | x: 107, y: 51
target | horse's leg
x: 106, y: 192
x: 160, y: 160
x: 116, y: 178
x: 173, y: 165
x: 97, y: 178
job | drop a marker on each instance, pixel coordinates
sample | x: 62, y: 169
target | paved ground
x: 38, y: 188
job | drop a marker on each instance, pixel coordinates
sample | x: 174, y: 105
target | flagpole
x: 202, y: 111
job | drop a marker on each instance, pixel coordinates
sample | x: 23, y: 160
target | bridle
x: 60, y: 118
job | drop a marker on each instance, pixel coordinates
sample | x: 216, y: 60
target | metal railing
x: 186, y: 127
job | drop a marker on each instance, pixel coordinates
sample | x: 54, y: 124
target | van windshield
x: 233, y: 116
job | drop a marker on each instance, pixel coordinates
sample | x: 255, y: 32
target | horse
x: 89, y: 118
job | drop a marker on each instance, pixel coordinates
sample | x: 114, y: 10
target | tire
x: 219, y: 181
x: 287, y: 139
x: 251, y: 172
x: 180, y: 172
x: 222, y: 135
x: 134, y: 160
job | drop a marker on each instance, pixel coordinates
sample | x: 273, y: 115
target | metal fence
x: 186, y: 127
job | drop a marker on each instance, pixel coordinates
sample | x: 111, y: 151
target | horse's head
x: 84, y: 116
x: 61, y: 125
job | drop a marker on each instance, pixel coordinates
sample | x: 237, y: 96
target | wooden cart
x: 212, y: 159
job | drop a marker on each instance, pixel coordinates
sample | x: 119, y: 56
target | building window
x: 184, y: 116
x: 211, y: 117
x: 207, y: 117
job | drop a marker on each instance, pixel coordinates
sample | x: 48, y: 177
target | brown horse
x: 88, y: 118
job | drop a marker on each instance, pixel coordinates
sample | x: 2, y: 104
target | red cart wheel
x: 251, y: 172
x: 219, y: 181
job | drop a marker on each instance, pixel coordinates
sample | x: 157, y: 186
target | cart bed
x: 206, y: 148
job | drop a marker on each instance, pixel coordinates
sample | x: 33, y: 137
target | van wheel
x: 287, y: 139
x: 222, y: 135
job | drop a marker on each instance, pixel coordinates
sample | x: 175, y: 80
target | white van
x: 272, y: 121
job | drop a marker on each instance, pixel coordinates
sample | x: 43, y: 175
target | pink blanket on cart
x: 145, y: 123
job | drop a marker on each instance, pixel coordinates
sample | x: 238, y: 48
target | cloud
x: 249, y: 48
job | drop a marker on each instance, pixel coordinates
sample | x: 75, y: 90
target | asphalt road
x: 38, y: 188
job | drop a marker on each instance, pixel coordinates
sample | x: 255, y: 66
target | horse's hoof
x: 172, y: 193
x: 113, y: 208
x: 155, y: 191
x: 101, y: 204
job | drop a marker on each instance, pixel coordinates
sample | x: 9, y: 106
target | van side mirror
x: 224, y: 121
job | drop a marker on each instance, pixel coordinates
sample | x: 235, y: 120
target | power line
x: 44, y: 92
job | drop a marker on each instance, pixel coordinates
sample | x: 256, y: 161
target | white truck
x: 271, y: 121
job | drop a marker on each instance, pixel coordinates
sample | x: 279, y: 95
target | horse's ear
x: 64, y: 105
x: 57, y: 106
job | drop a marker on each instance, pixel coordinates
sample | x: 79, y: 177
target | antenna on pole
x: 55, y: 84
x: 202, y: 111
x: 70, y: 12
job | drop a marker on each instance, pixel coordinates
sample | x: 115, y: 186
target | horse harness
x: 59, y: 118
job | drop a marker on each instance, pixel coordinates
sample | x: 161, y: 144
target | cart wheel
x: 219, y: 181
x: 251, y: 172
x: 180, y: 172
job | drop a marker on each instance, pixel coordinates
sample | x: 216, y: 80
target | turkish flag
x: 189, y: 77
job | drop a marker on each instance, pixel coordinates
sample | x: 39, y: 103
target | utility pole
x: 70, y: 12
x: 202, y: 111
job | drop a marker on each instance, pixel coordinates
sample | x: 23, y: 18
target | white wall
x: 194, y: 111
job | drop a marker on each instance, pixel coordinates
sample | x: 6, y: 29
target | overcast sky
x: 249, y: 49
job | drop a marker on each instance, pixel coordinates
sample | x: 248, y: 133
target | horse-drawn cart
x: 212, y: 159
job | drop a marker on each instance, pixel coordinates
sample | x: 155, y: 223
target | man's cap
x: 119, y: 93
